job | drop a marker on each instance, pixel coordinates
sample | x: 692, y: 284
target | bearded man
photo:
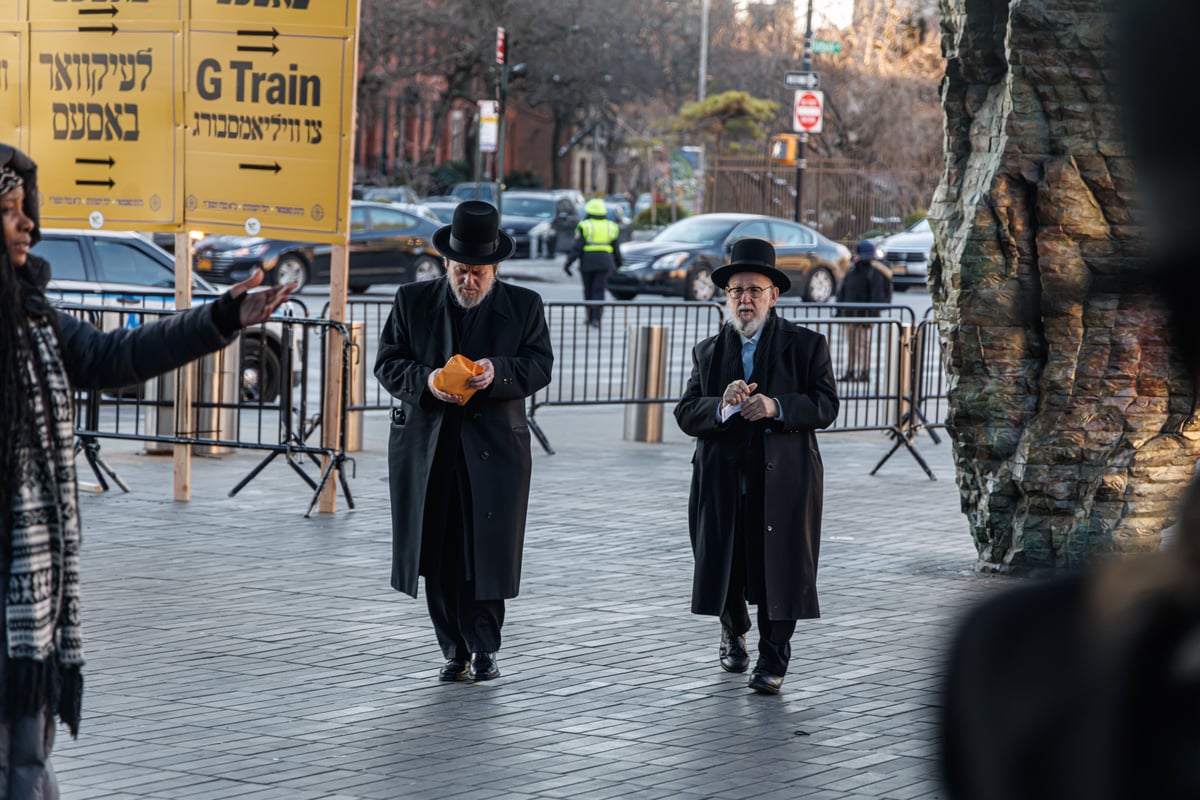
x: 758, y: 392
x: 459, y: 464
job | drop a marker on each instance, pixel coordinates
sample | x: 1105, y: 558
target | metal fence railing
x: 263, y: 392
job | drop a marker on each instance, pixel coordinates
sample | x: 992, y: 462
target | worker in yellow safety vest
x: 598, y: 253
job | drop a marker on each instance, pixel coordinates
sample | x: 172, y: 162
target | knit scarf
x: 45, y: 650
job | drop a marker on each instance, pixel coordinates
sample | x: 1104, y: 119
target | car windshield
x: 529, y: 207
x: 697, y: 230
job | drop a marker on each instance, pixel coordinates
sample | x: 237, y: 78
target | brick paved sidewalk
x: 238, y: 650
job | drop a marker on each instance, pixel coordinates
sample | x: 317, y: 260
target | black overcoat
x: 792, y: 365
x: 420, y: 336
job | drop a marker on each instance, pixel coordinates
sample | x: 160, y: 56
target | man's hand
x: 567, y: 268
x: 736, y: 392
x: 759, y: 406
x: 257, y: 307
x: 454, y: 399
x: 485, y: 378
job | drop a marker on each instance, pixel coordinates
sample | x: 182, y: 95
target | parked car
x: 387, y: 245
x: 391, y: 194
x: 681, y: 258
x: 471, y: 190
x: 166, y: 239
x: 542, y: 222
x: 127, y: 272
x: 442, y: 209
x: 908, y: 253
x: 622, y: 201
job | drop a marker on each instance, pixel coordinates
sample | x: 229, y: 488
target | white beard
x: 469, y: 302
x: 748, y: 327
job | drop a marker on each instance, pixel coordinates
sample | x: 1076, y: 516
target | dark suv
x: 542, y: 222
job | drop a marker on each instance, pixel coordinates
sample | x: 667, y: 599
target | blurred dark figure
x: 868, y: 281
x: 598, y: 252
x: 1088, y: 686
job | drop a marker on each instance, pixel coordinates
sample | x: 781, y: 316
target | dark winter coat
x: 792, y: 365
x: 420, y: 336
x: 868, y: 281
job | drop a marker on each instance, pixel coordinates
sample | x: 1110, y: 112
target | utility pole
x: 703, y: 51
x: 800, y: 160
x: 502, y: 98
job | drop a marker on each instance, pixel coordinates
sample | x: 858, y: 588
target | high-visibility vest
x: 598, y: 235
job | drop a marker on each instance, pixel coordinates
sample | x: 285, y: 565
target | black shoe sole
x: 737, y: 670
x: 487, y: 676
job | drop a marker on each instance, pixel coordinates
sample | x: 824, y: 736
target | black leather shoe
x: 455, y: 669
x: 765, y: 683
x: 484, y: 667
x: 734, y: 657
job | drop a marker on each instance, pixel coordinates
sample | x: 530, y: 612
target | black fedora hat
x: 474, y: 235
x: 752, y: 255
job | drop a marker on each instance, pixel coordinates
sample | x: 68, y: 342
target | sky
x: 838, y: 12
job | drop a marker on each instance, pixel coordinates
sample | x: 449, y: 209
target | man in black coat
x: 758, y: 392
x: 868, y: 281
x: 459, y: 464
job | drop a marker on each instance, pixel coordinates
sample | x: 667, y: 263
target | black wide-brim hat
x: 752, y: 255
x: 474, y: 235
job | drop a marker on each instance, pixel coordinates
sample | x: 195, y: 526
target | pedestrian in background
x: 459, y: 459
x: 44, y: 354
x: 868, y: 281
x: 596, y: 249
x: 759, y: 391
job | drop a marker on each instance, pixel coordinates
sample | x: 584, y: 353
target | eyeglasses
x: 755, y: 292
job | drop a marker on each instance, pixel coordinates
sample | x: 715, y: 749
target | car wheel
x: 700, y: 286
x: 622, y: 295
x: 428, y: 268
x: 359, y: 288
x: 291, y: 269
x: 260, y: 370
x: 820, y: 286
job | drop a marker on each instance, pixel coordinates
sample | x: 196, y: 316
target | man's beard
x: 469, y: 302
x: 748, y: 327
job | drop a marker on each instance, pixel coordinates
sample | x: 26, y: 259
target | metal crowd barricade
x: 283, y: 424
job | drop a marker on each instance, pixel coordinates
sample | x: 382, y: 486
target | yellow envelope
x: 453, y: 377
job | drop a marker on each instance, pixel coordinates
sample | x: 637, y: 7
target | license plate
x: 204, y: 264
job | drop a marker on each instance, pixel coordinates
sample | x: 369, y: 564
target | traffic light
x: 783, y: 148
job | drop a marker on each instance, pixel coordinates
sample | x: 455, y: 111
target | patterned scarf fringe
x: 31, y: 686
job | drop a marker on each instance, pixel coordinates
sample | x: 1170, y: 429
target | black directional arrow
x: 108, y: 161
x: 272, y: 33
x: 265, y: 167
x: 245, y: 48
x: 111, y: 10
x: 109, y: 183
x: 110, y: 29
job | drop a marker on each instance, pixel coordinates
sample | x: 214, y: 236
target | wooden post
x: 185, y: 375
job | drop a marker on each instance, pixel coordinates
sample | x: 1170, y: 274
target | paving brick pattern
x: 238, y: 650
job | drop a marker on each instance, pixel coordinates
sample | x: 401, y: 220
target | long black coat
x: 792, y: 365
x: 420, y: 336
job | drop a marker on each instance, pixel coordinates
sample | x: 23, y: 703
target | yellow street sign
x: 268, y: 132
x: 12, y: 78
x: 341, y: 16
x: 102, y: 12
x: 12, y: 11
x: 106, y: 111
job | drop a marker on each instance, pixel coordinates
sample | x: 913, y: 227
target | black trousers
x: 747, y: 583
x: 594, y: 285
x: 463, y: 623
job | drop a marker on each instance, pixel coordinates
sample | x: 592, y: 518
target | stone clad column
x: 1071, y: 425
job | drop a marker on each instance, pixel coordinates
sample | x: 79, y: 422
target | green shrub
x: 666, y: 213
x: 913, y: 217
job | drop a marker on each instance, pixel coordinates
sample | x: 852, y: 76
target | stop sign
x: 808, y: 111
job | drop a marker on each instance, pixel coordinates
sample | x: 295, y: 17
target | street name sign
x: 807, y: 111
x: 803, y: 80
x: 826, y: 46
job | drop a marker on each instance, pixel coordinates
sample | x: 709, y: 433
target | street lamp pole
x: 703, y: 51
x: 800, y: 160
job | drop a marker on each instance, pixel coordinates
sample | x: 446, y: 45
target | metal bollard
x: 358, y: 386
x: 646, y: 378
x: 218, y: 388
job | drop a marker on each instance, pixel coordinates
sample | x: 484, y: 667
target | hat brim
x: 721, y: 275
x: 505, y: 247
